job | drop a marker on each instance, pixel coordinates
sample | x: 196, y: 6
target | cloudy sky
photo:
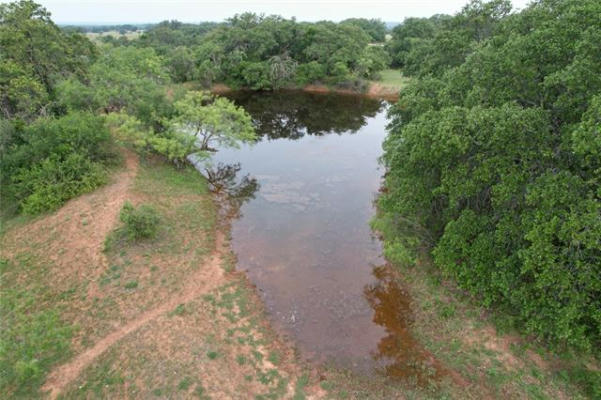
x: 122, y: 11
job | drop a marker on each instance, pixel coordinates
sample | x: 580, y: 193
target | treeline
x: 494, y: 160
x: 268, y: 52
x: 47, y: 155
x: 271, y: 52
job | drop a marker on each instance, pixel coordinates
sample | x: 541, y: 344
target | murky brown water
x: 304, y: 236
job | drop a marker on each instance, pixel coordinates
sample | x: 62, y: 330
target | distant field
x: 392, y: 78
x: 130, y: 35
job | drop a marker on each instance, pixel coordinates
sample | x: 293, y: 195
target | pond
x: 303, y: 235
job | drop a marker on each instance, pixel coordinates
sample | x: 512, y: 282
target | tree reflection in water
x: 223, y: 182
x: 399, y: 353
x: 294, y: 114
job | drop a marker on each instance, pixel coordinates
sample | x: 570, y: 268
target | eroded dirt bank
x: 374, y: 91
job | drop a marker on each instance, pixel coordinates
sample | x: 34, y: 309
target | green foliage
x: 54, y: 159
x: 409, y: 34
x: 375, y: 28
x: 168, y: 35
x: 373, y: 60
x: 429, y: 46
x: 493, y: 160
x: 33, y: 339
x: 311, y: 72
x: 129, y: 130
x: 271, y: 52
x: 48, y: 184
x: 181, y: 63
x: 35, y: 54
x: 140, y: 223
x: 201, y: 121
x: 123, y: 78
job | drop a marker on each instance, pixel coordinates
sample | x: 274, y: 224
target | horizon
x: 112, y: 12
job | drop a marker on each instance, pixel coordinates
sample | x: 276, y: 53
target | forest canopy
x: 493, y: 160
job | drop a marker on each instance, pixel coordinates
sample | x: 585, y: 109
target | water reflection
x: 400, y: 353
x: 223, y: 180
x: 291, y: 115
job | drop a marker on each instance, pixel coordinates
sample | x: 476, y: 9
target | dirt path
x: 208, y: 277
x: 73, y: 237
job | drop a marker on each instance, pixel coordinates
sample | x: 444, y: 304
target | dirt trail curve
x: 208, y: 277
x: 78, y: 229
x: 85, y: 242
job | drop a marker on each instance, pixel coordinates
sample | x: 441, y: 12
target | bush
x: 141, y: 222
x: 52, y: 160
x: 47, y: 185
x: 310, y: 73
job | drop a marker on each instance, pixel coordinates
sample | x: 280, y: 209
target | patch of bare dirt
x: 207, y: 278
x: 380, y: 91
x: 501, y: 345
x: 73, y: 237
x: 220, y: 88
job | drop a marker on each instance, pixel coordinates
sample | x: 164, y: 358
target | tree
x: 202, y: 124
x: 261, y: 52
x: 493, y: 162
x: 375, y: 28
x: 34, y: 55
x: 123, y: 78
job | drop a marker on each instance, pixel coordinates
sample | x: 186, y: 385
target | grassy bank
x: 494, y: 360
x: 391, y: 78
x: 387, y: 87
x: 114, y: 317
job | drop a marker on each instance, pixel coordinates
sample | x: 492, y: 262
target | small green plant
x: 141, y: 222
x: 212, y: 355
x: 299, y: 392
x: 131, y: 285
x: 274, y: 357
x: 185, y: 383
x: 179, y: 310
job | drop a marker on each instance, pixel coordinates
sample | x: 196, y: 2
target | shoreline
x: 374, y: 91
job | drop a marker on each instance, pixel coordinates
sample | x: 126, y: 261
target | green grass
x: 299, y: 388
x: 131, y: 285
x: 155, y: 178
x: 34, y: 337
x: 185, y: 383
x: 392, y: 78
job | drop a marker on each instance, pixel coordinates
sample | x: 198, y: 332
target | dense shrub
x: 54, y: 159
x: 493, y: 161
x: 140, y: 222
x: 48, y: 184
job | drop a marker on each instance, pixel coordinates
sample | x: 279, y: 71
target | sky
x: 139, y: 11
